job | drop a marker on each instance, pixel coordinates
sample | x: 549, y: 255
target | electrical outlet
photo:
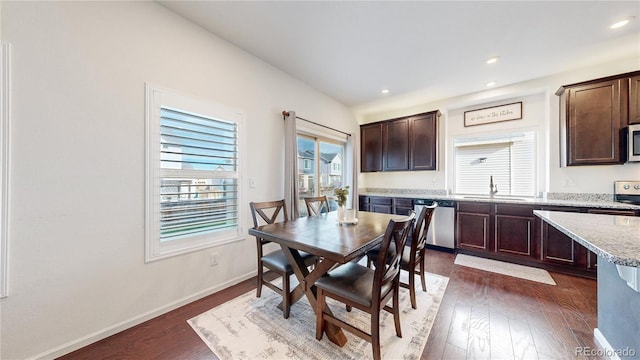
x: 214, y: 259
x: 252, y: 182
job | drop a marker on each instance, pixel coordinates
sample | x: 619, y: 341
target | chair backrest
x: 422, y: 227
x: 268, y: 211
x: 388, y: 268
x: 315, y: 205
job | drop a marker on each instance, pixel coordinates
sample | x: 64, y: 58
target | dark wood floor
x: 482, y: 316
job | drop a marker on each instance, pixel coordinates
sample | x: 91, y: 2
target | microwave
x: 633, y: 142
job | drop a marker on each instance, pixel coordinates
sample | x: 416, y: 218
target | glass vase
x: 342, y: 213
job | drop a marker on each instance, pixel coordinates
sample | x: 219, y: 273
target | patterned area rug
x: 504, y: 268
x: 253, y: 328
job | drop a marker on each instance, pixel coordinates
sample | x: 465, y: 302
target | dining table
x: 333, y: 242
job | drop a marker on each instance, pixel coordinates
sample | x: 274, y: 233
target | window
x: 509, y: 159
x: 324, y: 172
x: 308, y: 163
x: 192, y: 175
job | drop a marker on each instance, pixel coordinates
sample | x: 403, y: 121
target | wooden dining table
x: 332, y: 242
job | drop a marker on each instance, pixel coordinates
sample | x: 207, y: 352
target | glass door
x: 320, y: 169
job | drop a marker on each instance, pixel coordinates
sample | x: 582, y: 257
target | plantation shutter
x: 509, y: 159
x: 523, y: 166
x: 199, y: 174
x: 475, y: 164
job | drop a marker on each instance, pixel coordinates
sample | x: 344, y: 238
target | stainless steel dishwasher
x: 441, y: 229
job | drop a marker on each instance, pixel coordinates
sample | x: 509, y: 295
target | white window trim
x: 155, y: 98
x: 5, y: 116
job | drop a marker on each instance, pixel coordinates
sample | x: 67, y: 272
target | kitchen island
x: 616, y: 241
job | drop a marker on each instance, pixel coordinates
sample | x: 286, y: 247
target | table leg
x: 307, y: 280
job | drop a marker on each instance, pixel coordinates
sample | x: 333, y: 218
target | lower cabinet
x: 473, y: 226
x: 381, y: 205
x: 558, y: 248
x: 515, y: 231
x: 511, y: 232
x: 402, y: 206
x: 499, y: 230
x: 385, y: 205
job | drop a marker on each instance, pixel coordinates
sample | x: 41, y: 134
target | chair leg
x: 286, y: 296
x: 368, y: 262
x: 348, y: 308
x: 423, y: 270
x: 412, y: 289
x: 396, y: 311
x: 320, y: 304
x: 259, y: 282
x: 375, y: 334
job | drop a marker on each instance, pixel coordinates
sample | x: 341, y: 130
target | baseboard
x: 112, y: 330
x: 608, y: 349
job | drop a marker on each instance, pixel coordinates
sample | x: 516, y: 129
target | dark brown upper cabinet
x: 395, y: 147
x: 371, y: 147
x: 634, y: 99
x: 592, y: 115
x: 401, y: 144
x: 423, y: 142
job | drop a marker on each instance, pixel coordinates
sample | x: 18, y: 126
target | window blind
x: 509, y: 159
x: 199, y: 183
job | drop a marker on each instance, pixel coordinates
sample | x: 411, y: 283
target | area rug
x: 505, y: 268
x: 253, y: 328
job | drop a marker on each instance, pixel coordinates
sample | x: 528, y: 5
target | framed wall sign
x: 493, y: 114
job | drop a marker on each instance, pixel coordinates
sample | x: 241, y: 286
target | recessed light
x: 491, y: 83
x: 492, y: 60
x: 622, y: 23
x: 385, y: 91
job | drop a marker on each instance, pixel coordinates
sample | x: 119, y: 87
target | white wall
x: 540, y: 110
x: 76, y: 244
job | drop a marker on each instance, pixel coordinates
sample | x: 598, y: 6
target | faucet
x: 493, y: 189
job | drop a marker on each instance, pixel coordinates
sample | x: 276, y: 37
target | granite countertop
x: 578, y: 202
x: 615, y: 238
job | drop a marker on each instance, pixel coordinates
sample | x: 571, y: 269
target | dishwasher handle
x: 441, y: 203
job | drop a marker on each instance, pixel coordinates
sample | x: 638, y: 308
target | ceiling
x: 352, y: 50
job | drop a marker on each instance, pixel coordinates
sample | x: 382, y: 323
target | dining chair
x: 315, y: 205
x: 413, y: 254
x: 366, y: 289
x: 276, y: 261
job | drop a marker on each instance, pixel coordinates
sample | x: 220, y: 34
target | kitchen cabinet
x: 403, y: 144
x: 423, y: 142
x: 558, y: 248
x: 385, y: 205
x: 395, y: 153
x: 634, y: 99
x: 363, y: 203
x: 511, y: 232
x: 379, y: 204
x: 515, y: 232
x: 499, y: 230
x: 473, y: 230
x: 371, y: 147
x: 402, y: 206
x: 592, y: 115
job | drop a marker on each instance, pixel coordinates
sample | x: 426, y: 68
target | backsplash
x: 586, y: 197
x: 580, y: 197
x: 404, y: 191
